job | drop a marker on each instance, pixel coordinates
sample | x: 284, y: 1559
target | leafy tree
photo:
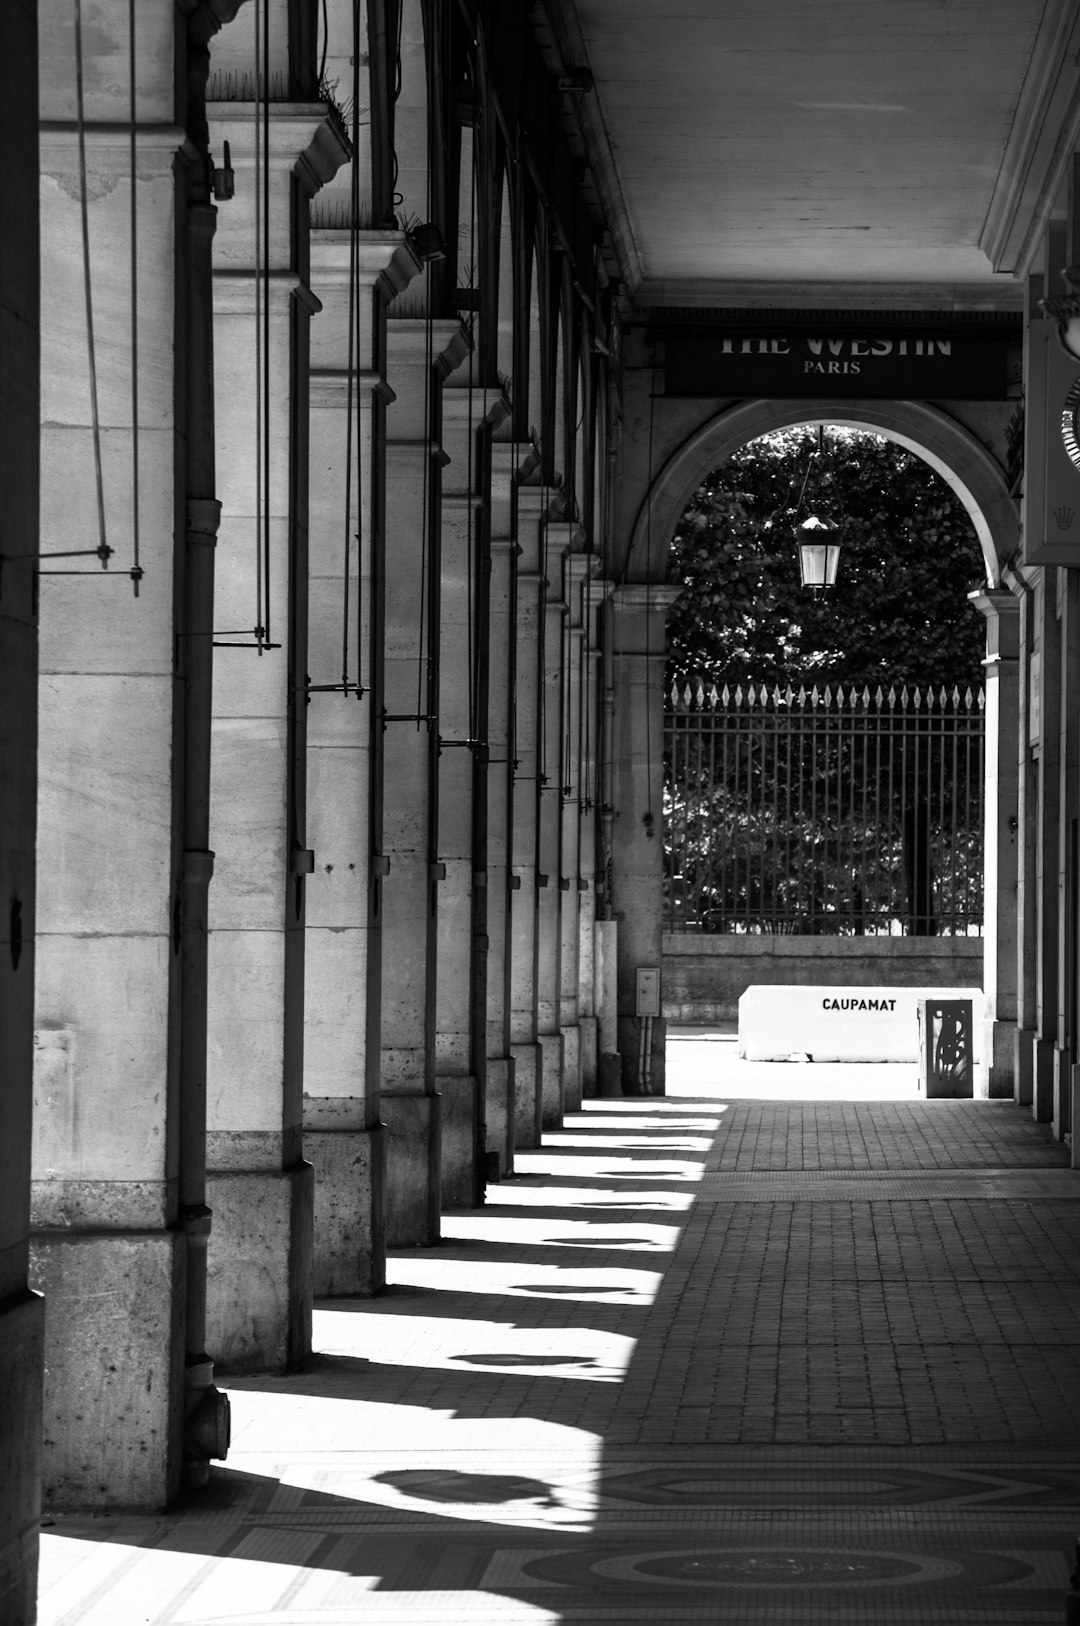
x: 909, y: 556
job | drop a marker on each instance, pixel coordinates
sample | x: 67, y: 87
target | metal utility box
x: 648, y: 990
x: 946, y: 1063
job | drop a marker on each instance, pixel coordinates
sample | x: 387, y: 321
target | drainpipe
x: 206, y: 1409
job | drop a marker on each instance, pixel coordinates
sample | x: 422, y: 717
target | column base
x: 629, y: 1032
x: 350, y: 1201
x: 527, y: 1098
x: 590, y: 1052
x: 114, y: 1367
x: 462, y: 1182
x: 259, y: 1272
x: 999, y: 1050
x: 1024, y: 1067
x: 413, y: 1169
x: 571, y: 1038
x: 552, y: 1085
x: 22, y: 1357
x: 1042, y: 1098
x: 499, y: 1116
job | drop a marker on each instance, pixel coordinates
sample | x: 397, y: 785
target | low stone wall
x: 703, y: 976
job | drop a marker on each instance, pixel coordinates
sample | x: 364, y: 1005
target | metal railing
x: 823, y: 811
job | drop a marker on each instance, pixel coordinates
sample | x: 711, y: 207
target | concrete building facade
x: 348, y: 418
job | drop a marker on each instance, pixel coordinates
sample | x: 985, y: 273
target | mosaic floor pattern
x: 742, y: 1355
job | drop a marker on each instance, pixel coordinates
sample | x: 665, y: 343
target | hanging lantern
x: 818, y: 554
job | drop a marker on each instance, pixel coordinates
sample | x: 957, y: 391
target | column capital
x: 383, y: 258
x: 1002, y: 612
x: 300, y: 137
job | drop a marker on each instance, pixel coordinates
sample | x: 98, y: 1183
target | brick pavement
x: 715, y: 1357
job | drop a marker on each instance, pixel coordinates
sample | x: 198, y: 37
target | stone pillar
x: 468, y: 416
x: 590, y: 934
x: 507, y: 461
x: 343, y: 1136
x: 1001, y: 846
x: 1046, y: 683
x: 532, y: 503
x: 552, y: 881
x: 1065, y: 1047
x: 21, y: 1317
x: 420, y: 354
x: 108, y: 1250
x: 1020, y: 581
x: 578, y: 569
x: 638, y: 632
x: 260, y: 1188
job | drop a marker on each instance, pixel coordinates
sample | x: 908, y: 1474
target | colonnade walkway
x: 786, y: 1345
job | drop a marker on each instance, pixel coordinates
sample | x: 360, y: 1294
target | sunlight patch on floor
x: 710, y: 1067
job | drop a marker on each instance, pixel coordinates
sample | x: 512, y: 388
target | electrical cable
x: 104, y: 552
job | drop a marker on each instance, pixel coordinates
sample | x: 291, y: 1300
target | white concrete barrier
x: 781, y: 1021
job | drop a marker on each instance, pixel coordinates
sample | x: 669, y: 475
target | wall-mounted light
x: 427, y: 243
x: 818, y: 556
x: 1064, y: 309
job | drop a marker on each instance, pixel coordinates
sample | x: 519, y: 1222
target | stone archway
x: 949, y: 448
x: 978, y: 478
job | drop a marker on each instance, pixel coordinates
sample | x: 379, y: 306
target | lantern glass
x: 817, y: 564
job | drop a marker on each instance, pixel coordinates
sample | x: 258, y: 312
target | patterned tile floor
x: 787, y: 1345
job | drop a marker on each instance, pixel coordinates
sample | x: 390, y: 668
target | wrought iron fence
x: 822, y: 811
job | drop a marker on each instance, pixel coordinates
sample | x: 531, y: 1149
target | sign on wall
x: 882, y: 363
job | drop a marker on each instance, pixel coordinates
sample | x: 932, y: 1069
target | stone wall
x: 702, y: 976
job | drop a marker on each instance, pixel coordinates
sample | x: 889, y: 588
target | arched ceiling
x: 879, y: 152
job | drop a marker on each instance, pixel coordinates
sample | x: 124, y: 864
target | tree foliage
x: 909, y: 556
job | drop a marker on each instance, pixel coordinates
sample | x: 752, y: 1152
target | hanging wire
x: 261, y: 293
x: 103, y: 550
x: 263, y: 630
x: 474, y: 668
x: 136, y: 566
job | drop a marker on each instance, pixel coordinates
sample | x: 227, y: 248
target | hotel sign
x: 871, y: 364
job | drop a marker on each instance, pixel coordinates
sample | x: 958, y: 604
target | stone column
x: 343, y: 1135
x: 21, y: 1311
x: 578, y: 568
x: 1046, y: 683
x: 261, y: 1189
x: 1020, y: 583
x: 637, y: 629
x: 108, y: 1252
x: 508, y: 460
x: 532, y: 503
x: 420, y: 354
x: 460, y: 1052
x: 591, y: 928
x: 1001, y: 846
x: 1068, y: 852
x: 552, y: 881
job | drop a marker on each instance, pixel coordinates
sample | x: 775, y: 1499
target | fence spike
x: 853, y: 698
x: 917, y: 701
x: 714, y: 698
x: 943, y: 698
x: 814, y: 697
x: 699, y: 693
x: 955, y: 697
x: 828, y: 696
x: 738, y: 695
x: 904, y: 698
x: 866, y: 697
x: 777, y: 697
x: 879, y: 698
x: 892, y: 696
x: 789, y: 695
x: 969, y: 699
x: 725, y: 694
x: 764, y: 695
x: 687, y: 696
x: 982, y: 699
